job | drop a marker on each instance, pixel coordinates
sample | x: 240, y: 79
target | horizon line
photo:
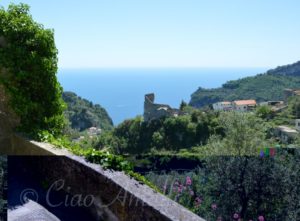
x: 166, y: 67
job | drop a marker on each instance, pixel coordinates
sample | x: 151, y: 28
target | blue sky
x: 171, y: 33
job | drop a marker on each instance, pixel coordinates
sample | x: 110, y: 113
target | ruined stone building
x: 155, y: 111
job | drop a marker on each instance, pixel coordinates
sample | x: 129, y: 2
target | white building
x: 94, y: 131
x: 286, y: 134
x: 224, y: 105
x: 272, y: 103
x: 244, y: 105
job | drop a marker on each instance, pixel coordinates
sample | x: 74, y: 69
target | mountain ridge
x: 287, y: 70
x: 262, y: 87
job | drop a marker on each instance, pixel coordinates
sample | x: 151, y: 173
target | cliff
x: 83, y: 114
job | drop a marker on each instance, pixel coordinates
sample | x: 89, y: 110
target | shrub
x: 28, y: 61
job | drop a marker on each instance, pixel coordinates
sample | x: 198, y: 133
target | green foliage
x: 287, y: 70
x: 104, y: 158
x: 183, y: 104
x: 247, y: 186
x: 289, y: 114
x: 264, y: 112
x: 28, y: 66
x: 295, y: 106
x: 107, y: 160
x: 262, y: 87
x: 233, y: 179
x: 83, y: 114
x: 244, y: 134
x: 144, y: 180
x: 171, y: 133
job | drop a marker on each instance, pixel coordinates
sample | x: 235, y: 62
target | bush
x: 28, y: 61
x: 135, y: 136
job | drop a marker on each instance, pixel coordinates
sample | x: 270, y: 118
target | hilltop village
x: 286, y: 134
x: 283, y: 133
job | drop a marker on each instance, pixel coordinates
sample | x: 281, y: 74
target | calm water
x: 121, y: 91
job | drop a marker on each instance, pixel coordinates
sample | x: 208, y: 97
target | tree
x: 183, y: 104
x: 239, y: 181
x: 28, y: 67
x: 264, y: 112
x: 295, y: 104
x: 244, y: 133
x: 253, y: 186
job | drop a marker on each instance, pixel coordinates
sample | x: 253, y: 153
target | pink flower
x: 261, y: 218
x: 219, y: 218
x: 188, y: 181
x: 192, y: 193
x: 198, y: 201
x: 236, y: 216
x: 214, y: 206
x: 179, y: 190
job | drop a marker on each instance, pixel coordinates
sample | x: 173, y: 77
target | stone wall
x: 117, y: 197
x: 18, y: 146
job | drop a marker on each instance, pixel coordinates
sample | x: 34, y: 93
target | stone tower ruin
x: 154, y: 111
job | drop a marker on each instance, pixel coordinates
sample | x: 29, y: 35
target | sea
x: 121, y: 91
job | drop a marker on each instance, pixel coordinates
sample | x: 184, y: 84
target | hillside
x: 287, y: 70
x: 83, y: 114
x: 262, y: 87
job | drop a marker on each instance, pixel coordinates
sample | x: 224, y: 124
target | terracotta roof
x: 245, y: 102
x: 226, y: 102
